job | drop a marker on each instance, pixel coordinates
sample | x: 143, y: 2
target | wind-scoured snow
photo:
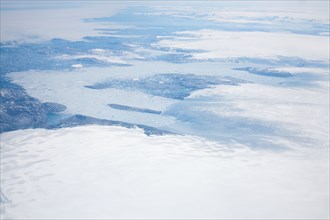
x: 164, y: 110
x: 114, y: 172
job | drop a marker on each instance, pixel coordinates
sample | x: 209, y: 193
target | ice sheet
x: 113, y: 172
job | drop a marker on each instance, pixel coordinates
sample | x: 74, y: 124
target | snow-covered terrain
x: 113, y: 172
x: 223, y: 44
x: 192, y: 110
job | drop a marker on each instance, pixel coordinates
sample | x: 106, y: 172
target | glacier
x: 153, y: 110
x: 114, y: 172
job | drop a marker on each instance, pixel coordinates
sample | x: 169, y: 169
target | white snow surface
x: 224, y: 44
x: 245, y: 12
x: 97, y: 172
x: 300, y: 110
x: 60, y: 22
